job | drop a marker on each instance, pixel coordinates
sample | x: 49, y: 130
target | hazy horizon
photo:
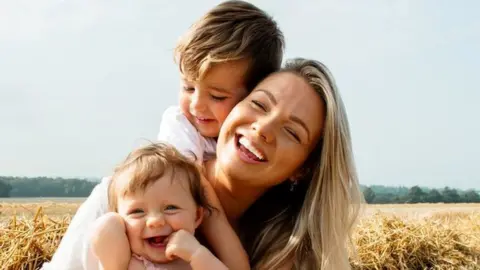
x: 83, y: 82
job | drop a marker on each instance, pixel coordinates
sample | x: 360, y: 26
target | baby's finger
x: 170, y: 251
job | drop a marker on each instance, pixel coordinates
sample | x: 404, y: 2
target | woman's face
x: 268, y: 136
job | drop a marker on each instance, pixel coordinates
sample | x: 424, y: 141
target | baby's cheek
x: 183, y: 222
x: 133, y: 229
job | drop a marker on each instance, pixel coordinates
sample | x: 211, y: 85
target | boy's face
x: 207, y: 102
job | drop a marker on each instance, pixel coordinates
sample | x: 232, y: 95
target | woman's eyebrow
x: 269, y: 95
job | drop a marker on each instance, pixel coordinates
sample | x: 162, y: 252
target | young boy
x: 221, y: 58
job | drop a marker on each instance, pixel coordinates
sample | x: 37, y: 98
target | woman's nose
x: 264, y: 128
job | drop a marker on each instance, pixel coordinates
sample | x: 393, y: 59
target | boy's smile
x: 207, y: 102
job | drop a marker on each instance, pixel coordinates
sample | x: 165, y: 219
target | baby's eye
x: 135, y: 211
x: 171, y: 208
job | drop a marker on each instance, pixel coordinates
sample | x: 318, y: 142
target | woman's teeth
x: 248, y: 145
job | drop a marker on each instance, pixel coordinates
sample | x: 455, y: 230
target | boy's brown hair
x: 232, y: 30
x: 148, y: 164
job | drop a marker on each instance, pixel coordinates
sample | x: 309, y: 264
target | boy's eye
x: 218, y: 98
x: 259, y: 105
x: 188, y: 88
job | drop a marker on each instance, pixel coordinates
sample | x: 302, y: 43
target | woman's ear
x: 297, y: 175
x: 199, y: 216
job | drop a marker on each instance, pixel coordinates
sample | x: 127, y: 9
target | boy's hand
x: 182, y: 244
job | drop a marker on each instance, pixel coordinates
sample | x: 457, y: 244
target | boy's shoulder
x: 176, y: 129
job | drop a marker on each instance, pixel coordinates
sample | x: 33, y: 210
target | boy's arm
x: 109, y: 238
x: 74, y: 250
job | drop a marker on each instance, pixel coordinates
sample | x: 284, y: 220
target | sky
x: 82, y: 82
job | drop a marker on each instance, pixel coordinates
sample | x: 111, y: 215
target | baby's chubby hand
x: 182, y: 244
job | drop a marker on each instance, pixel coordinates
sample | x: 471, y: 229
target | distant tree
x: 384, y: 198
x: 369, y: 195
x: 471, y: 196
x: 5, y: 189
x: 450, y: 195
x: 433, y: 196
x: 415, y: 195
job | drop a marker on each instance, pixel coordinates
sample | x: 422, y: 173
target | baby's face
x: 152, y: 215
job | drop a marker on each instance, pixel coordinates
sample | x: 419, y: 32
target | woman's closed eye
x: 293, y: 134
x: 259, y: 105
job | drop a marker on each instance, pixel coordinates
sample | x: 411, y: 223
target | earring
x: 293, y: 185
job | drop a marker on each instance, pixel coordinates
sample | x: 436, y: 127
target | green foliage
x: 416, y: 194
x: 4, y: 189
x: 45, y: 187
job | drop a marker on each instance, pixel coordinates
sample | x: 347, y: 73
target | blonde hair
x: 147, y: 165
x: 311, y: 225
x: 232, y: 30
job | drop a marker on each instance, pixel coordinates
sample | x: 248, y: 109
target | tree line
x: 416, y: 194
x: 45, y: 187
x: 375, y: 194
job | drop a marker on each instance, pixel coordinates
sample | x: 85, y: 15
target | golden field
x: 417, y: 236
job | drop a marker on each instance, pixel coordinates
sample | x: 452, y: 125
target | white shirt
x: 74, y: 252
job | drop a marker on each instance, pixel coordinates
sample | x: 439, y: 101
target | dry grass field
x: 420, y: 236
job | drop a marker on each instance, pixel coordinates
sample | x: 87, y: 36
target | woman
x: 284, y: 174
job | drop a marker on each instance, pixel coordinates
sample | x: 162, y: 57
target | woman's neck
x: 234, y: 197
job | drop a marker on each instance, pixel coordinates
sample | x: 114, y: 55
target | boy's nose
x: 197, y: 103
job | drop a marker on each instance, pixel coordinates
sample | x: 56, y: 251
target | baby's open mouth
x: 157, y: 241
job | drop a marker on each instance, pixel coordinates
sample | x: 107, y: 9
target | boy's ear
x: 199, y: 218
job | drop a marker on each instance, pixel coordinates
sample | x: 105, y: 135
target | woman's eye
x: 294, y: 135
x: 218, y: 98
x: 259, y: 105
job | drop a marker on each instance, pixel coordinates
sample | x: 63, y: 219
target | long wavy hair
x: 311, y: 224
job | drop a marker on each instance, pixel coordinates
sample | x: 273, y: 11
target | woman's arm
x: 221, y: 236
x: 74, y: 250
x: 225, y: 242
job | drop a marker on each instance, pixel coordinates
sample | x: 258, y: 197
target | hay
x: 28, y: 243
x: 383, y: 241
x: 445, y: 241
